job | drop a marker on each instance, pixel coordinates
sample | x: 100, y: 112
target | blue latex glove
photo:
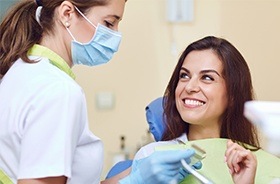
x: 183, y: 173
x: 159, y: 167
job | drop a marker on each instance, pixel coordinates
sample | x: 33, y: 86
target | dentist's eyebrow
x: 210, y: 71
x: 116, y: 17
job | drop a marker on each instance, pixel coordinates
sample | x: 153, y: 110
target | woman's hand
x: 242, y: 163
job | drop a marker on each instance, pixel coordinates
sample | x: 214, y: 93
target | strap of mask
x: 85, y: 17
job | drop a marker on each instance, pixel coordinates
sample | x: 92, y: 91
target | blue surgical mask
x: 99, y: 50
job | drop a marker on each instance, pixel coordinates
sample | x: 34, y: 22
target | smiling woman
x: 201, y: 95
x: 205, y: 99
x: 211, y: 71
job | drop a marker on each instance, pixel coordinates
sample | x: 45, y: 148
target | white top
x: 44, y: 126
x: 147, y: 150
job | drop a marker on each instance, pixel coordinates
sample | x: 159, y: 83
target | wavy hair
x: 239, y: 90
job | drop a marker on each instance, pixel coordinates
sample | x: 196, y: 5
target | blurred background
x: 155, y: 32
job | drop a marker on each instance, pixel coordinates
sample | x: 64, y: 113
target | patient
x: 205, y: 99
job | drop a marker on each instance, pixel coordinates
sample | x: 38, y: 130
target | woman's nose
x: 192, y: 86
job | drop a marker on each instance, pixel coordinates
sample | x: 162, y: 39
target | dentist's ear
x: 66, y: 12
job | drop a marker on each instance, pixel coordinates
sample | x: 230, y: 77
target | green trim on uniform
x: 55, y: 59
x: 4, y: 179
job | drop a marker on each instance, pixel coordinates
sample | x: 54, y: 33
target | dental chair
x: 155, y: 120
x: 118, y: 168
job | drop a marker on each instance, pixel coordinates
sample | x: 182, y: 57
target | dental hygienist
x: 44, y: 135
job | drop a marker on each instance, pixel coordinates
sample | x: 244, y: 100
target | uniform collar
x: 55, y: 59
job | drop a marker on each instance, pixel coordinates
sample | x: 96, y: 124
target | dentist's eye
x: 108, y: 24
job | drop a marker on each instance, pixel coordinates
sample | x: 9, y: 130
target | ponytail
x: 19, y: 31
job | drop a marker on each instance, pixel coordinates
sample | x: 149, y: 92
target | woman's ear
x: 66, y: 13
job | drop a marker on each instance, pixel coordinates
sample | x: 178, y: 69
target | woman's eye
x: 208, y: 78
x: 184, y: 76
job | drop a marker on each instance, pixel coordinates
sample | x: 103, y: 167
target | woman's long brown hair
x: 239, y: 90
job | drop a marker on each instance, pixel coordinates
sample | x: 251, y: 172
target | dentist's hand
x: 159, y: 167
x: 242, y: 163
x: 183, y: 173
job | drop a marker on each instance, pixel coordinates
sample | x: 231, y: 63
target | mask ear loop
x: 85, y: 17
x: 67, y: 25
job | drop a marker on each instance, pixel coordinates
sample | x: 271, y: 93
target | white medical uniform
x: 44, y: 126
x: 148, y: 149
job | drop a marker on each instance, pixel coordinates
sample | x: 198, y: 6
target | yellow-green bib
x: 55, y: 59
x: 214, y: 167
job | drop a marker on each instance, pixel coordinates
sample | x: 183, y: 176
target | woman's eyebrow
x: 186, y: 70
x: 202, y: 72
x: 210, y: 71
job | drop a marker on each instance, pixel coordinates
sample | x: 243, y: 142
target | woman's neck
x: 197, y: 132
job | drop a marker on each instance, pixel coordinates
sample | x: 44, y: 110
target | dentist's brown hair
x: 19, y: 30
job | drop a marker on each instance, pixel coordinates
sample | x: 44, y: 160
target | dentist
x: 44, y: 137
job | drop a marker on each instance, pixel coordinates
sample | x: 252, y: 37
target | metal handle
x: 196, y: 174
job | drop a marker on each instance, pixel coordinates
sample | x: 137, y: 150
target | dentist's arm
x: 48, y: 180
